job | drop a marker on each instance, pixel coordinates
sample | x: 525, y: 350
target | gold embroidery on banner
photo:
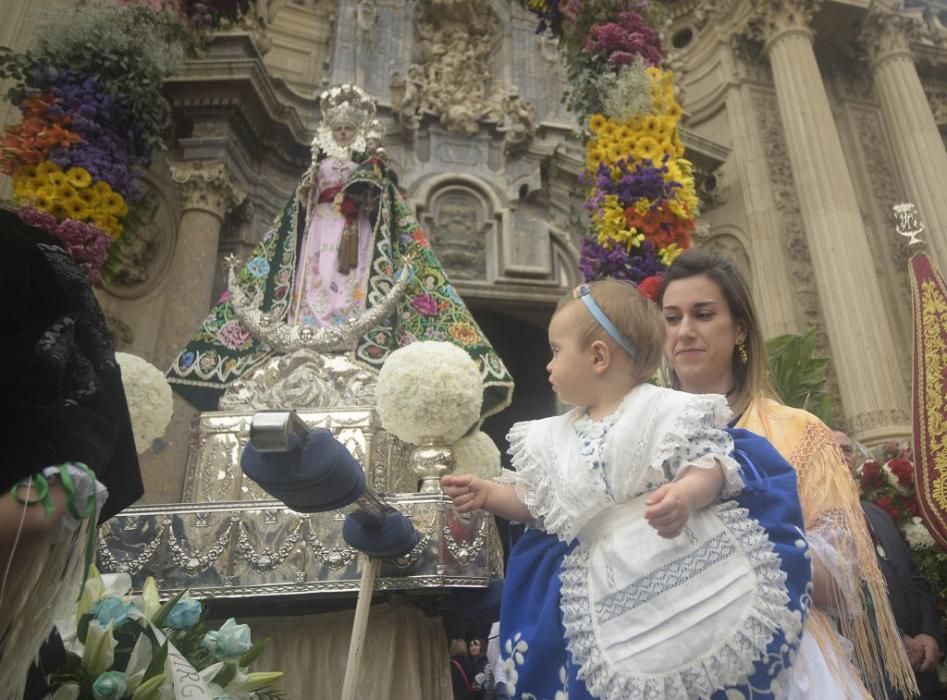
x: 933, y: 384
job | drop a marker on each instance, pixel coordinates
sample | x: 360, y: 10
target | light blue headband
x: 584, y: 292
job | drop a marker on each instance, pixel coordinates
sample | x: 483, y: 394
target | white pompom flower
x: 477, y: 454
x: 429, y: 390
x: 149, y: 399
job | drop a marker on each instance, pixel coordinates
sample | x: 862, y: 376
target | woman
x: 461, y: 671
x: 477, y: 653
x: 331, y: 254
x: 715, y: 345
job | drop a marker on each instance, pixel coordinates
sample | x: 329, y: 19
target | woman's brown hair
x: 751, y: 379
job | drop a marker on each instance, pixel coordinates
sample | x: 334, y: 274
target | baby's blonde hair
x: 635, y: 317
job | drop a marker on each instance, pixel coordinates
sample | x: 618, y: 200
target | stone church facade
x: 806, y: 121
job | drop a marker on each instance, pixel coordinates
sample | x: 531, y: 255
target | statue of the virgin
x: 345, y: 268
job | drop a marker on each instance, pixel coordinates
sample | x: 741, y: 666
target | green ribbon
x: 80, y: 512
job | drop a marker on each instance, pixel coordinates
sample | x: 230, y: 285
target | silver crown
x: 346, y: 105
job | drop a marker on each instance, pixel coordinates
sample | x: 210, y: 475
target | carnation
x: 477, y: 454
x: 917, y: 534
x: 429, y: 390
x: 149, y: 399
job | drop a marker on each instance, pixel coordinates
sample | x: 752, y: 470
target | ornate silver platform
x: 230, y: 540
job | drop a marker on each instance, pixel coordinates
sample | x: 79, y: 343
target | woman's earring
x: 744, y: 357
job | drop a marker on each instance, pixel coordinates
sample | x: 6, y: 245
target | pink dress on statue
x: 322, y: 296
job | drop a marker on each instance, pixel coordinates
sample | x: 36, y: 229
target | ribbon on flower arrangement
x: 929, y: 298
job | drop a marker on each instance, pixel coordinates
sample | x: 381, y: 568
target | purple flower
x: 425, y: 304
x: 598, y: 262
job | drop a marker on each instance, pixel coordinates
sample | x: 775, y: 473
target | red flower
x: 349, y: 207
x: 871, y: 476
x: 420, y: 238
x: 649, y: 287
x: 887, y: 505
x: 902, y: 469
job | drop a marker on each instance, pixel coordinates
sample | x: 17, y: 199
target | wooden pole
x: 370, y: 568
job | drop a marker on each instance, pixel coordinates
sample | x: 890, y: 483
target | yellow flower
x: 102, y: 188
x: 617, y: 153
x: 58, y: 209
x: 40, y: 201
x: 77, y: 209
x: 668, y: 254
x: 596, y: 121
x: 88, y: 195
x: 593, y: 158
x: 673, y: 112
x: 647, y: 149
x: 101, y: 220
x: 608, y: 130
x: 64, y: 190
x: 57, y: 179
x: 628, y: 144
x: 673, y: 173
x: 47, y: 167
x: 28, y: 171
x: 78, y: 177
x: 114, y: 203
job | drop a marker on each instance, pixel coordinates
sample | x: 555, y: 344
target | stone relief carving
x: 801, y: 272
x: 937, y: 98
x: 207, y: 186
x: 772, y: 17
x: 120, y: 331
x: 726, y: 245
x: 749, y: 57
x: 454, y: 82
x: 520, y: 122
x: 890, y: 254
x: 885, y: 32
x: 145, y: 253
x: 459, y: 221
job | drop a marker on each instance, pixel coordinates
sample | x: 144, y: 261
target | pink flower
x: 425, y: 304
x: 232, y: 335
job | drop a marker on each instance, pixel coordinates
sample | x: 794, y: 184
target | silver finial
x: 908, y: 222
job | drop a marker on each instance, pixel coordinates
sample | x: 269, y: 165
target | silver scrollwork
x: 465, y: 552
x: 909, y: 222
x: 191, y: 562
x: 286, y: 338
x: 335, y: 558
x: 128, y: 566
x: 267, y: 560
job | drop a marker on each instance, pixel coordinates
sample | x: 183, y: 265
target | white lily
x: 138, y: 662
x: 261, y: 679
x: 149, y: 603
x: 99, y: 648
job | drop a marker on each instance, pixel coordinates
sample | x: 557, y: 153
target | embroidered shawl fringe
x: 828, y: 493
x: 43, y: 592
x: 727, y: 666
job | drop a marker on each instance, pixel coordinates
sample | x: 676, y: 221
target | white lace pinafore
x: 645, y: 616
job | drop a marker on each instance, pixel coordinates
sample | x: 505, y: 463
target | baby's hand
x: 668, y: 510
x: 467, y: 491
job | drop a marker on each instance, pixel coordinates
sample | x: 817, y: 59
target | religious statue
x: 344, y: 274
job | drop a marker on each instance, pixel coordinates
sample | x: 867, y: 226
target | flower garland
x: 120, y: 645
x: 93, y: 113
x: 641, y: 194
x: 888, y: 482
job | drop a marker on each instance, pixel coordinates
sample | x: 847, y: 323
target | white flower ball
x: 429, y: 389
x: 149, y: 399
x: 477, y: 454
x: 917, y: 534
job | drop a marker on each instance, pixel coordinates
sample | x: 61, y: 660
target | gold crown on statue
x: 346, y: 105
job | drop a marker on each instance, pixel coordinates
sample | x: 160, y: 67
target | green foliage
x: 798, y: 376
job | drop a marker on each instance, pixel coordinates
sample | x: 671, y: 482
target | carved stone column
x: 207, y: 195
x: 918, y: 147
x: 778, y: 306
x: 873, y: 396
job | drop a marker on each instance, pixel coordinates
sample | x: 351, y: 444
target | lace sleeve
x: 831, y: 542
x: 696, y: 440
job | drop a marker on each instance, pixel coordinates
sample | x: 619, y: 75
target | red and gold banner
x: 929, y: 295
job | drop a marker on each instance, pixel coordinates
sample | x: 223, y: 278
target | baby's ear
x: 601, y: 356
